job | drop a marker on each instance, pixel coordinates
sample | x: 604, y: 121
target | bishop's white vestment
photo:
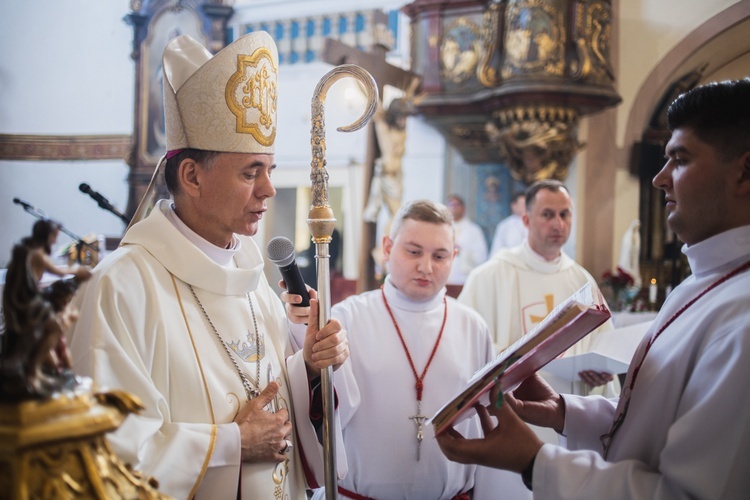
x: 142, y: 330
x: 377, y: 397
x: 686, y: 433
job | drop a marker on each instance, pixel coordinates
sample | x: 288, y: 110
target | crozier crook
x: 321, y: 221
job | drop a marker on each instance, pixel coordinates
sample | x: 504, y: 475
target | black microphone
x: 102, y: 201
x: 26, y: 206
x: 280, y: 251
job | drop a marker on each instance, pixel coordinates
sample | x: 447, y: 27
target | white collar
x: 722, y: 250
x: 539, y: 263
x: 222, y: 256
x: 398, y: 300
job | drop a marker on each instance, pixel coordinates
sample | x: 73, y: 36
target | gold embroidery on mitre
x: 251, y: 96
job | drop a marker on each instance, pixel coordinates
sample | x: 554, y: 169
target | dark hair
x: 60, y: 292
x: 548, y: 184
x: 173, y: 164
x: 518, y: 194
x: 718, y: 113
x: 40, y: 233
x: 458, y: 198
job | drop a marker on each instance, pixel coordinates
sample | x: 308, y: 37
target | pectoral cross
x: 419, y: 420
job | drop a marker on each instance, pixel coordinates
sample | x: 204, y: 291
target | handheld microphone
x: 280, y: 251
x: 26, y: 206
x: 102, y: 201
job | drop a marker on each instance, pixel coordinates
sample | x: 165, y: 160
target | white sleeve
x: 177, y: 454
x: 706, y: 453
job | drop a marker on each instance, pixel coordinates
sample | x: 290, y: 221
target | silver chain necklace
x: 252, y: 390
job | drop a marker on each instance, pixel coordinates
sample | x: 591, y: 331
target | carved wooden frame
x: 155, y: 22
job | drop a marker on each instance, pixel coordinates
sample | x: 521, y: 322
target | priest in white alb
x: 519, y: 286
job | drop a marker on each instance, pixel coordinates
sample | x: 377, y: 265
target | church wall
x: 65, y: 70
x: 646, y: 34
x: 648, y: 30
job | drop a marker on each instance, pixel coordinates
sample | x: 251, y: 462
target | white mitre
x: 225, y: 102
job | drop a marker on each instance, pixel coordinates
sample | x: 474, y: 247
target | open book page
x: 565, y: 325
x: 610, y: 352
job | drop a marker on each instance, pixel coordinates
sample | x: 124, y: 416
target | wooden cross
x: 374, y: 62
x: 419, y: 420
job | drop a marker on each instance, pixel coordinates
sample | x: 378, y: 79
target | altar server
x: 412, y: 349
x: 681, y: 428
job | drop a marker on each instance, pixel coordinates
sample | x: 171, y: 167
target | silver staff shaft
x: 322, y: 259
x: 321, y: 221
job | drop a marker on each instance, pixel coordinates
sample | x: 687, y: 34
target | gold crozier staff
x: 321, y: 221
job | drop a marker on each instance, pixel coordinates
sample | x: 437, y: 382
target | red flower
x: 621, y: 279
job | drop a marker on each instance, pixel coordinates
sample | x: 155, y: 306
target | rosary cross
x: 419, y: 420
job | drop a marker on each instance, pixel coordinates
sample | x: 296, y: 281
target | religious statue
x: 44, y: 235
x: 390, y: 129
x: 630, y: 251
x: 51, y: 424
x: 34, y: 362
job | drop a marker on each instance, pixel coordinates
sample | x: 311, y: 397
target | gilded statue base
x: 55, y: 448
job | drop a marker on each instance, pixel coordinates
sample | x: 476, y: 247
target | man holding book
x: 681, y: 428
x: 411, y: 349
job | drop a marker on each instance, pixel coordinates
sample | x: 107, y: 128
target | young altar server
x: 412, y: 348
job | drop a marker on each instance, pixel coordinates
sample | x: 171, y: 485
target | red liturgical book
x: 569, y: 322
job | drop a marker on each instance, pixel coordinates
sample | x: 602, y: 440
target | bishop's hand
x: 323, y: 347
x: 263, y: 434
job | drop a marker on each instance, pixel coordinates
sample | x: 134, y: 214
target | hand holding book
x: 569, y: 322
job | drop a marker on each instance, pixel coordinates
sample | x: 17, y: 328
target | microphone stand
x: 79, y: 242
x: 321, y: 221
x: 116, y: 213
x: 103, y: 203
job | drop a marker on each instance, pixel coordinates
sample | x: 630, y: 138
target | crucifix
x: 374, y: 62
x: 419, y: 420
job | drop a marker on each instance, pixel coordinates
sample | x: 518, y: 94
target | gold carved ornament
x: 259, y: 95
x: 486, y: 74
x: 537, y: 142
x: 534, y: 39
x: 594, y: 28
x: 459, y: 50
x: 55, y: 448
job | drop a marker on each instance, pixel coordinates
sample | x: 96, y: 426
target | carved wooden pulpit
x: 508, y: 80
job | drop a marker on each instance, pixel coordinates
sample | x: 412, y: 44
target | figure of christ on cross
x: 419, y: 419
x: 385, y: 142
